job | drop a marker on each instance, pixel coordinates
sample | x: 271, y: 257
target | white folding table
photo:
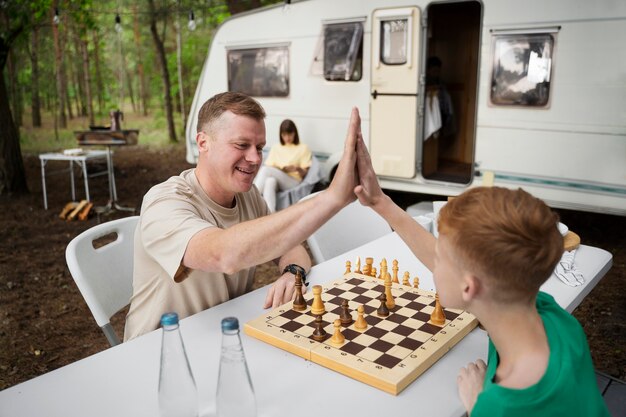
x: 78, y: 159
x: 123, y: 380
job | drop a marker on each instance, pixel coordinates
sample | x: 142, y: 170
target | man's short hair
x: 507, y: 237
x: 237, y: 103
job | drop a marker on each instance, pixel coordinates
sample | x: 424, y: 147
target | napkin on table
x: 567, y: 272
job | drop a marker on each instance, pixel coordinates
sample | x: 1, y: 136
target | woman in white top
x: 286, y: 165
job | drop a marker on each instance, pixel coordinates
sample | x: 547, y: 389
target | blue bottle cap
x: 230, y: 323
x: 168, y: 319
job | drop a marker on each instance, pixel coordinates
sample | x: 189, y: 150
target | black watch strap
x: 294, y: 269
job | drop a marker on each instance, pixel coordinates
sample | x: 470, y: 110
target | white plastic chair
x: 351, y: 227
x: 104, y: 275
x: 291, y: 196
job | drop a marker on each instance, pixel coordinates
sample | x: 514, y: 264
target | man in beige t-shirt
x: 202, y: 233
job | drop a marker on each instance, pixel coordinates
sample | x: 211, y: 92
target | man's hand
x: 346, y: 177
x: 368, y: 191
x: 282, y: 291
x: 470, y: 381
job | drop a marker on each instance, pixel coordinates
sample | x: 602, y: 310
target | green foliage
x: 127, y: 50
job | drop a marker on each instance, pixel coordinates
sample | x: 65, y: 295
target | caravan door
x: 394, y: 91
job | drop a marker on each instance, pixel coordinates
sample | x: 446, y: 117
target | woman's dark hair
x: 288, y: 126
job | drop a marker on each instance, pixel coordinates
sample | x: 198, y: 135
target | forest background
x: 85, y: 58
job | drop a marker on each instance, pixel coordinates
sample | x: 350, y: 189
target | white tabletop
x: 122, y: 381
x: 83, y: 156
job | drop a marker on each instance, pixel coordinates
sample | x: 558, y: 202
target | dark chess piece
x: 299, y: 304
x: 319, y: 334
x: 383, y: 311
x: 346, y: 315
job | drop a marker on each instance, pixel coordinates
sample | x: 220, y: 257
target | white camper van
x: 452, y: 94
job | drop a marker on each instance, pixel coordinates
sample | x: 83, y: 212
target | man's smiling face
x: 233, y: 155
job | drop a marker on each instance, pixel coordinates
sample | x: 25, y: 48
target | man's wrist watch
x: 294, y: 269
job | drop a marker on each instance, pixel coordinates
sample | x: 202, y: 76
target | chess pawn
x: 338, y: 338
x: 345, y: 316
x: 319, y: 334
x: 395, y: 269
x: 390, y: 302
x: 367, y: 269
x: 360, y: 324
x: 348, y: 268
x: 383, y: 311
x: 416, y: 282
x: 405, y: 279
x: 317, y: 308
x: 373, y: 272
x: 299, y: 303
x: 438, y: 317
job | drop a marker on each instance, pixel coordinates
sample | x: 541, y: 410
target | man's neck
x: 214, y: 192
x: 520, y: 339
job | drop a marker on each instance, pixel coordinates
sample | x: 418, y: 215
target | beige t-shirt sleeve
x: 167, y: 226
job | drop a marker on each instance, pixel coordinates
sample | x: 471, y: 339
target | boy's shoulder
x: 568, y: 386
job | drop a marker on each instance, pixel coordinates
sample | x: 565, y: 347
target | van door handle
x: 375, y: 94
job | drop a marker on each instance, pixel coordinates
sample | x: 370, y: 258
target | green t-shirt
x: 568, y: 388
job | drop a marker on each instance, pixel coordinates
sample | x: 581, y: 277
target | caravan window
x: 522, y: 67
x: 393, y: 42
x: 343, y: 51
x: 259, y: 72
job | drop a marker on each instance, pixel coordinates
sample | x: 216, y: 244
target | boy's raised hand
x: 368, y: 191
x: 346, y: 177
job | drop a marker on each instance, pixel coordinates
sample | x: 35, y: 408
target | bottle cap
x: 230, y: 323
x: 168, y: 319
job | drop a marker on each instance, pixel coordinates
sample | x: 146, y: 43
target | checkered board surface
x: 390, y: 354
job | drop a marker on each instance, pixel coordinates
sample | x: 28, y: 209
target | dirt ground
x: 45, y: 323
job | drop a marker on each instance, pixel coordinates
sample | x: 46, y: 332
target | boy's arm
x: 369, y: 193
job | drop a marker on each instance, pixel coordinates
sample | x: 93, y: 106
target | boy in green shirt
x: 496, y: 247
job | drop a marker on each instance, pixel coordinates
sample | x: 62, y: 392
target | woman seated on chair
x: 286, y: 165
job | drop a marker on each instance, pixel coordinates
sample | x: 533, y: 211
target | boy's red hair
x: 508, y: 237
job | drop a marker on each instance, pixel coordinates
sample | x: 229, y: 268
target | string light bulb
x: 191, y: 25
x: 56, y: 20
x: 118, y: 23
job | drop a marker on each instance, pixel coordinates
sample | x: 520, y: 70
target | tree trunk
x: 34, y: 79
x: 58, y: 61
x: 12, y: 173
x: 74, y: 79
x: 99, y: 85
x: 14, y: 90
x: 131, y: 91
x: 158, y: 43
x: 143, y: 92
x: 68, y: 101
x: 87, y: 79
x: 179, y: 65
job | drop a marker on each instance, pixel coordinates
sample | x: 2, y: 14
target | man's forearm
x: 257, y: 241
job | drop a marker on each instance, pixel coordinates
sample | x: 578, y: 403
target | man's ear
x: 202, y: 139
x: 472, y: 287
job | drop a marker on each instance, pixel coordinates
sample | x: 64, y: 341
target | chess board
x: 390, y: 354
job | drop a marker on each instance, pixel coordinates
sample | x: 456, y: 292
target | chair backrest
x: 104, y: 275
x: 291, y: 196
x: 351, y: 227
